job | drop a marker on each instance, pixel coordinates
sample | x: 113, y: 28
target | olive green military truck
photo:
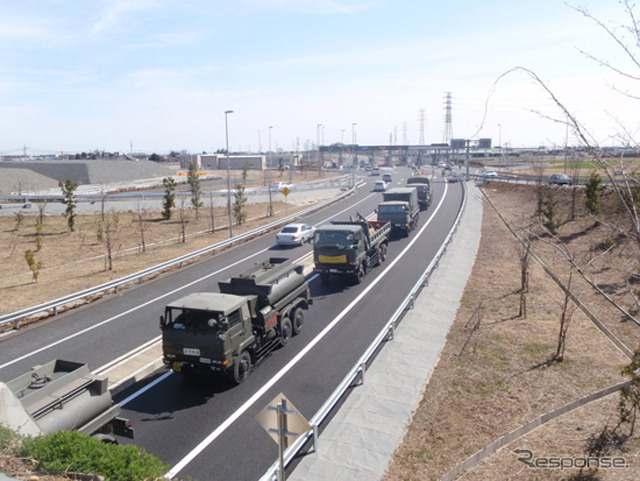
x: 229, y: 331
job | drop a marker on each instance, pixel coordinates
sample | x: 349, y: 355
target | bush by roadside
x: 72, y: 451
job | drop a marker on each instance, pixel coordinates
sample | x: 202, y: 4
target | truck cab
x: 229, y: 331
x: 203, y: 331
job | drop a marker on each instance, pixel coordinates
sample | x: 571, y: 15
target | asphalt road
x: 204, y: 429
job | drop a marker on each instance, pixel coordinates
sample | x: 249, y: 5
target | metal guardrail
x: 52, y: 307
x: 358, y: 370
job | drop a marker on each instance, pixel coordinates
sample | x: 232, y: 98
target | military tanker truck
x: 350, y: 248
x: 61, y: 396
x: 229, y: 331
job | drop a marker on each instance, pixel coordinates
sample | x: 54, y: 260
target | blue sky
x: 79, y: 75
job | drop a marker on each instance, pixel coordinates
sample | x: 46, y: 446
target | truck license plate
x: 332, y: 259
x: 188, y: 351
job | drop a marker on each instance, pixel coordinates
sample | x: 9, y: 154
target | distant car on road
x: 454, y: 177
x: 295, y: 234
x: 490, y: 174
x: 278, y: 186
x: 375, y: 171
x: 387, y: 178
x: 380, y: 186
x: 560, y: 179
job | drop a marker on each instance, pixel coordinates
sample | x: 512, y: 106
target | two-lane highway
x: 204, y: 429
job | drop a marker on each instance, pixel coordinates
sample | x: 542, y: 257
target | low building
x: 236, y: 162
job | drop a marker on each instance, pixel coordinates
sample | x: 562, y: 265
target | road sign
x: 295, y: 424
x: 284, y: 423
x: 285, y: 191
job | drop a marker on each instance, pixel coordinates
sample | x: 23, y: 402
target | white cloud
x: 119, y: 11
x: 323, y: 7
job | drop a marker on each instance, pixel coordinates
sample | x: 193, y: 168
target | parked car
x: 295, y: 234
x: 560, y: 179
x: 490, y: 174
x: 380, y: 186
x: 387, y: 178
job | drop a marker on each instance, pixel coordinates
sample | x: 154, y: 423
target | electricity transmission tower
x: 421, y: 141
x: 448, y: 128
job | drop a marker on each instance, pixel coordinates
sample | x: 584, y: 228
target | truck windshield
x: 193, y: 319
x: 335, y: 239
x: 391, y: 209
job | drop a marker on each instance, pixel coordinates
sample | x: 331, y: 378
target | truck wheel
x: 297, y: 320
x: 359, y: 275
x: 241, y: 368
x: 285, y: 331
x: 382, y: 255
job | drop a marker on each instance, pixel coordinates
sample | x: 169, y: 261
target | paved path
x: 359, y: 441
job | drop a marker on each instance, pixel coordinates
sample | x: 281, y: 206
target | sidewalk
x: 359, y: 441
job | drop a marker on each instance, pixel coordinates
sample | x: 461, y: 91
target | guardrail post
x: 362, y: 369
x: 392, y: 331
x: 315, y: 438
x: 55, y: 311
x: 411, y: 302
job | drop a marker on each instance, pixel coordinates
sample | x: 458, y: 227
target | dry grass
x: 73, y: 261
x: 495, y: 378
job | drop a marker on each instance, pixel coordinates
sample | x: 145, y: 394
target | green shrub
x: 74, y: 451
x: 9, y: 441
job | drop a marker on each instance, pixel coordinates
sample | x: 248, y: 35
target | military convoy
x: 229, y: 331
x: 350, y: 248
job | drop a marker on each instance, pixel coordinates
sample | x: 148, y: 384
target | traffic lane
x: 315, y: 376
x: 135, y: 312
x: 365, y: 331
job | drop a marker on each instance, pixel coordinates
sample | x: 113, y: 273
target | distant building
x: 236, y: 162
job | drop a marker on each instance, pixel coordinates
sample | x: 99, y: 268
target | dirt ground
x: 494, y: 373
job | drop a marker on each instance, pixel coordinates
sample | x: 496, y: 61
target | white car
x: 295, y: 234
x: 490, y: 174
x: 277, y: 187
x: 380, y: 186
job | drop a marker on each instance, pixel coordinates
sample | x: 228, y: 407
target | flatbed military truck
x: 62, y: 396
x: 350, y: 248
x: 400, y: 207
x: 423, y: 184
x: 229, y: 331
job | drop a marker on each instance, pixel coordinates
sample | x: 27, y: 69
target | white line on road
x: 258, y: 394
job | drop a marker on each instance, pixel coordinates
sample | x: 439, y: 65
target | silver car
x: 295, y: 234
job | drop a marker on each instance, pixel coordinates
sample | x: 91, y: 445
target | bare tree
x: 111, y: 230
x: 142, y: 227
x: 183, y: 221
